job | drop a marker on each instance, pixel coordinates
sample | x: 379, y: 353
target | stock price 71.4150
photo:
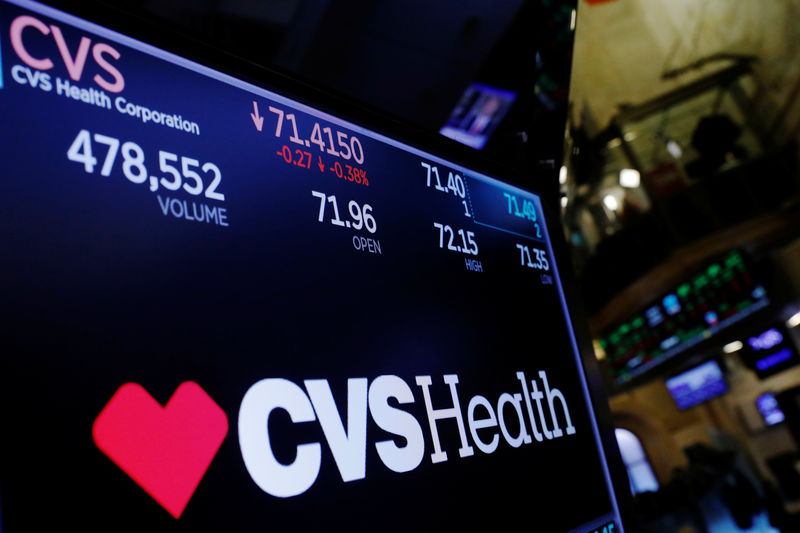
x: 344, y: 146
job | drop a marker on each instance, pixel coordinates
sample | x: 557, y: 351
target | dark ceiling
x: 411, y: 59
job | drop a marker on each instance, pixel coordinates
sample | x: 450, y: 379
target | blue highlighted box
x: 505, y: 209
x: 774, y: 359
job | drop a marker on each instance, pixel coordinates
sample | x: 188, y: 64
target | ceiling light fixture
x: 734, y: 346
x: 630, y: 178
x: 610, y: 201
x: 674, y: 149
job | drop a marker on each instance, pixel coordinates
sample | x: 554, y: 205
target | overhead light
x: 731, y: 347
x: 794, y: 320
x: 564, y: 201
x: 630, y: 136
x: 630, y: 178
x: 674, y: 149
x: 611, y: 202
x: 562, y: 175
x: 573, y: 17
x: 599, y: 352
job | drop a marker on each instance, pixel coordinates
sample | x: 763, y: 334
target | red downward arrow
x: 257, y: 120
x: 321, y: 165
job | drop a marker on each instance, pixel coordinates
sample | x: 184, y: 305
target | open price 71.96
x: 360, y: 216
x: 177, y: 172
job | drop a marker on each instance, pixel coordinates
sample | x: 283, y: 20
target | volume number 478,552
x: 176, y: 172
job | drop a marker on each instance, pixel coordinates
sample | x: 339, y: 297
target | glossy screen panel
x: 343, y: 330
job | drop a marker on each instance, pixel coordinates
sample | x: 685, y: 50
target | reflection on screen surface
x: 226, y: 308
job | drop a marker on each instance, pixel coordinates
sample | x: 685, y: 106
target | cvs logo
x: 167, y: 450
x: 486, y: 422
x: 75, y: 63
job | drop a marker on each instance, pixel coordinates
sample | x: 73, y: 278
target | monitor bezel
x: 160, y: 35
x: 688, y: 368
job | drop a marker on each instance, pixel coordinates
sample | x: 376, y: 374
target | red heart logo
x: 166, y: 450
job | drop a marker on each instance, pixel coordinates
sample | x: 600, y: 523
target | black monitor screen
x: 770, y: 351
x: 224, y: 309
x: 769, y: 409
x: 697, y: 385
x: 477, y: 114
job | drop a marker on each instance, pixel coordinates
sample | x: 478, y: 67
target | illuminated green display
x: 719, y: 295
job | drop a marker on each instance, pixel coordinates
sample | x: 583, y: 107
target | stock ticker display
x: 718, y: 296
x: 223, y: 308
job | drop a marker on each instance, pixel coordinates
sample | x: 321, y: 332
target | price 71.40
x: 455, y: 184
x: 465, y: 244
x: 134, y: 169
x: 360, y: 216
